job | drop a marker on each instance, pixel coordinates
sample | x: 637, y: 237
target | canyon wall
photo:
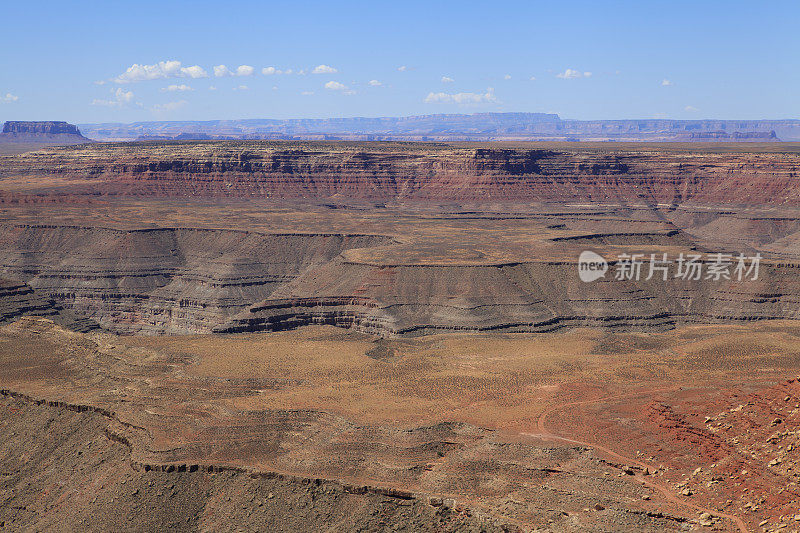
x: 391, y: 171
x: 199, y: 281
x: 371, y: 236
x: 163, y: 280
x: 531, y: 297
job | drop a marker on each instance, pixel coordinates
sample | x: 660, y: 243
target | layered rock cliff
x: 41, y: 128
x: 280, y: 170
x: 47, y: 132
x: 177, y: 280
x: 163, y: 280
x: 536, y: 296
x: 409, y: 265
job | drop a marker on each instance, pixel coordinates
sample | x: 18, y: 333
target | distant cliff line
x: 454, y: 127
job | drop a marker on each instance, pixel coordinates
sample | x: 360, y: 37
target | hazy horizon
x: 377, y: 117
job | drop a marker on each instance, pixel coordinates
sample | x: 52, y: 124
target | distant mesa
x: 51, y: 127
x: 455, y: 127
x: 45, y: 132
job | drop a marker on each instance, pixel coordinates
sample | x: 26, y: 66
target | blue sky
x: 597, y: 59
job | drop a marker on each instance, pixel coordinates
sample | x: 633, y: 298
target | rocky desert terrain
x: 345, y: 336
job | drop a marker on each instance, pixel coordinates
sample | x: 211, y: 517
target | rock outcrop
x: 41, y: 128
x: 47, y: 132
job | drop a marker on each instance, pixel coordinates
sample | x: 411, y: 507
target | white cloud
x: 324, y: 69
x: 447, y: 79
x: 375, y: 83
x: 121, y: 98
x: 307, y: 93
x: 222, y: 71
x: 335, y: 86
x: 241, y: 88
x: 177, y: 88
x: 8, y: 98
x: 461, y: 98
x: 170, y: 106
x: 533, y: 78
x: 158, y: 71
x: 195, y: 71
x: 507, y: 77
x: 244, y: 70
x: 691, y: 109
x: 665, y: 82
x: 571, y: 74
x: 402, y: 68
x: 212, y: 88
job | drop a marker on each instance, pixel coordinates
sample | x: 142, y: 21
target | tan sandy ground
x: 500, y: 381
x: 641, y: 397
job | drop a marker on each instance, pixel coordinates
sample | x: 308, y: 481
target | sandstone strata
x: 430, y: 237
x: 40, y: 128
x: 421, y: 172
x: 26, y: 135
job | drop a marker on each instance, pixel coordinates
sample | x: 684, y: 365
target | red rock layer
x: 383, y: 171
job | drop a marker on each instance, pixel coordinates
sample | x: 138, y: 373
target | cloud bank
x: 324, y: 69
x: 221, y: 71
x: 161, y: 70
